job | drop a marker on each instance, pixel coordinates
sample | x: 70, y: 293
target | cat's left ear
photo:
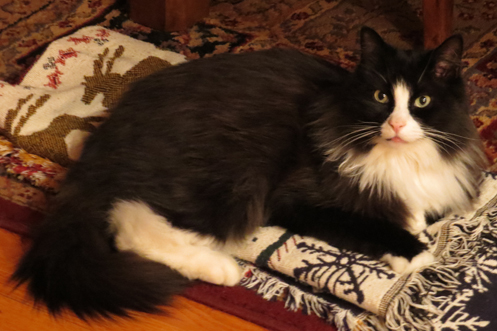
x: 448, y: 58
x: 372, y: 45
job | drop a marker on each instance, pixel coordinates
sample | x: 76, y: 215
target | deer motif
x: 112, y: 84
x: 50, y: 142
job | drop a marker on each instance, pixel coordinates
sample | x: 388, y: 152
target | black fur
x: 224, y: 145
x: 73, y: 265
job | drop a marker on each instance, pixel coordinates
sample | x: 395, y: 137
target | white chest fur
x: 415, y: 172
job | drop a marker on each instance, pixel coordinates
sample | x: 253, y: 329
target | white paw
x: 402, y: 265
x: 214, y: 267
x: 416, y: 229
x: 416, y: 225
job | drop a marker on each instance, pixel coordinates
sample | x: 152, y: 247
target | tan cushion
x: 68, y: 92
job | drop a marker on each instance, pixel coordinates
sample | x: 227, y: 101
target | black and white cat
x: 197, y: 156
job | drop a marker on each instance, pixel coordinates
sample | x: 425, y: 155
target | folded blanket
x: 458, y: 292
x: 66, y: 95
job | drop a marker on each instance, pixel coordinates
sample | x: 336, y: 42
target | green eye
x: 422, y: 101
x: 380, y: 96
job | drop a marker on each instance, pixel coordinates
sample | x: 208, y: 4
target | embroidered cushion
x: 69, y: 90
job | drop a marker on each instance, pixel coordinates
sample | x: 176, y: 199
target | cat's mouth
x: 397, y: 139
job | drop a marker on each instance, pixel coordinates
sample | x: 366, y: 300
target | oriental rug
x: 327, y: 28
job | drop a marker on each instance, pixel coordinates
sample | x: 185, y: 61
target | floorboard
x: 17, y: 312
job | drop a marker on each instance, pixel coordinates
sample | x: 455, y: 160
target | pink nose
x: 396, y: 125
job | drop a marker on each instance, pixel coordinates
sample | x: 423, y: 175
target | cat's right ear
x: 372, y: 45
x: 447, y: 58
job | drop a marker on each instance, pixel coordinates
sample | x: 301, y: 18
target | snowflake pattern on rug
x: 341, y: 268
x: 457, y: 293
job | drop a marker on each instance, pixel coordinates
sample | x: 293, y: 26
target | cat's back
x: 259, y: 78
x: 209, y: 126
x: 274, y: 65
x: 223, y: 100
x: 230, y: 109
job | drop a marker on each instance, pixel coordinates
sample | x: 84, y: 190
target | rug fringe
x: 420, y: 305
x: 271, y: 287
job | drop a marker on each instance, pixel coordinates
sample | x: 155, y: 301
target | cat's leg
x: 402, y: 265
x: 417, y: 222
x: 377, y: 238
x: 137, y: 228
x: 405, y: 264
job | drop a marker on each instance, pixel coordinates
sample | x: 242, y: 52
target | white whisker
x: 347, y: 136
x: 447, y: 133
x: 441, y: 139
x: 340, y: 146
x: 360, y: 134
x: 443, y: 144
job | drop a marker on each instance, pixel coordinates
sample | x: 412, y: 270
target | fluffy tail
x: 72, y: 264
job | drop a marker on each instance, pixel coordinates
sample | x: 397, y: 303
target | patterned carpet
x: 327, y: 28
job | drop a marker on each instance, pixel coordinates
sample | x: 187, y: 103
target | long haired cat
x: 197, y: 156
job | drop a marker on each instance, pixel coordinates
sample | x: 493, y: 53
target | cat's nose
x: 396, y: 125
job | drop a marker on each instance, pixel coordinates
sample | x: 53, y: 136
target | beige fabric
x: 389, y: 299
x: 68, y: 91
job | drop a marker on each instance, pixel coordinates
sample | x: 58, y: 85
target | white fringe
x: 419, y: 305
x: 432, y: 300
x: 272, y: 288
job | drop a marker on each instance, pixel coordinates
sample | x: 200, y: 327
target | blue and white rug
x: 456, y: 293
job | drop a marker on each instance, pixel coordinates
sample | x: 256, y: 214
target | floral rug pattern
x: 327, y: 28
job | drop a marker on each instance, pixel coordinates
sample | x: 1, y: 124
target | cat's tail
x: 72, y: 265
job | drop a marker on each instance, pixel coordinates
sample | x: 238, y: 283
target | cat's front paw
x: 402, y: 265
x: 417, y: 224
x: 216, y: 268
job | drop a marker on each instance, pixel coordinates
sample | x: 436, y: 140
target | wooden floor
x: 17, y: 314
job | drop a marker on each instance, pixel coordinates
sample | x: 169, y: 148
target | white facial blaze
x: 401, y: 123
x: 400, y: 115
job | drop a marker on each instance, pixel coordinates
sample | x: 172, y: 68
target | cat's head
x: 399, y: 97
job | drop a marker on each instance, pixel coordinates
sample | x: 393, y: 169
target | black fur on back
x: 201, y: 154
x: 221, y: 146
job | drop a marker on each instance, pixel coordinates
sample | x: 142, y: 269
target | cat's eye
x: 422, y: 101
x: 380, y: 96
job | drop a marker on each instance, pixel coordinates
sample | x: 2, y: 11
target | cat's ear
x: 372, y: 44
x: 447, y: 58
